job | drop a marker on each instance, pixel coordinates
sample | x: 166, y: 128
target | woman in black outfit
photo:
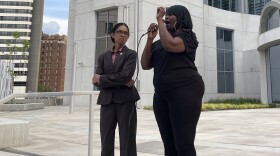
x: 178, y: 86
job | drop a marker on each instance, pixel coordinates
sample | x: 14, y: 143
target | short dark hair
x: 114, y: 29
x: 182, y: 15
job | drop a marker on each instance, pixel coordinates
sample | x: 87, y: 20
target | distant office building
x: 25, y: 17
x: 52, y: 62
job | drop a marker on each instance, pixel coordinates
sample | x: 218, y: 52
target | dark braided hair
x: 184, y: 22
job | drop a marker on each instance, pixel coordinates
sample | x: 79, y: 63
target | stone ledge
x: 21, y: 107
x: 13, y: 133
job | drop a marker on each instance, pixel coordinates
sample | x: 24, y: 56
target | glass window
x: 19, y: 83
x: 16, y: 3
x: 274, y: 54
x: 217, y: 3
x: 258, y: 6
x: 255, y: 6
x: 101, y: 47
x: 229, y: 82
x: 234, y: 6
x: 225, y: 61
x: 273, y: 19
x: 221, y: 61
x: 227, y: 40
x: 225, y: 4
x: 220, y: 39
x: 105, y: 22
x: 228, y: 61
x: 102, y: 18
x: 221, y: 82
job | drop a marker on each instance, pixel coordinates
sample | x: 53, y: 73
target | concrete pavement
x: 55, y: 132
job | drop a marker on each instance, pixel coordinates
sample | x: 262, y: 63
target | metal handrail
x: 46, y: 94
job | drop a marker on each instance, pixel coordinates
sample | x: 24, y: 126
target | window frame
x: 222, y: 50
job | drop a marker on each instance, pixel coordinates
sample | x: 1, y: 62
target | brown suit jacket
x: 113, y: 77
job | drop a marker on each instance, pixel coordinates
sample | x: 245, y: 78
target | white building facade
x: 269, y: 50
x: 227, y: 31
x: 16, y: 16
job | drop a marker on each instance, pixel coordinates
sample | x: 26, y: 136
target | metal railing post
x: 90, y: 127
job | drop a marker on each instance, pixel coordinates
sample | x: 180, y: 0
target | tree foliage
x: 13, y: 48
x: 42, y: 88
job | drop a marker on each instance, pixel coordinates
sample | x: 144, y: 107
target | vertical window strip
x: 225, y: 71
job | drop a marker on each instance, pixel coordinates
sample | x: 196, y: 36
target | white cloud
x: 51, y: 28
x: 55, y: 26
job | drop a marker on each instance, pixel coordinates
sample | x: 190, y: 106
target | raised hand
x: 160, y: 13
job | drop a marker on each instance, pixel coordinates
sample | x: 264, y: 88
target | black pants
x: 177, y: 113
x: 125, y: 116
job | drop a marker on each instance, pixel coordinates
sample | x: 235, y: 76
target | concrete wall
x: 246, y: 59
x: 266, y: 40
x: 82, y: 26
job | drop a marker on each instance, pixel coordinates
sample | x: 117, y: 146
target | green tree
x: 42, y: 88
x: 13, y: 48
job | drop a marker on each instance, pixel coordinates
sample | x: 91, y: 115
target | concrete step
x: 21, y: 107
x: 13, y: 132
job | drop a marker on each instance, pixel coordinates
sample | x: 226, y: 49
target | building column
x: 34, y: 54
x: 265, y: 89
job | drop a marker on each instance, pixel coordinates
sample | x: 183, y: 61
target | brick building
x: 52, y: 62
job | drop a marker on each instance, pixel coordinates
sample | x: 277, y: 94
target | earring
x: 175, y: 26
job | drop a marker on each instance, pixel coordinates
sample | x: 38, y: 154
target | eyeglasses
x: 120, y: 32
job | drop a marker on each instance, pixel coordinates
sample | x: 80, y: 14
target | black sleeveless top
x: 173, y: 70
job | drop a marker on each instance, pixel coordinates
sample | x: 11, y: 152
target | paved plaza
x: 55, y: 132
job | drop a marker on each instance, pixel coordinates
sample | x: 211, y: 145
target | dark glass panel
x: 221, y: 82
x: 210, y: 2
x: 225, y: 4
x: 251, y: 7
x: 227, y: 40
x: 101, y: 47
x: 229, y: 79
x: 273, y: 19
x: 220, y: 38
x: 102, y: 24
x: 217, y: 3
x: 220, y: 61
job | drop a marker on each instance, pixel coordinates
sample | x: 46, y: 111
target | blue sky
x: 56, y: 17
